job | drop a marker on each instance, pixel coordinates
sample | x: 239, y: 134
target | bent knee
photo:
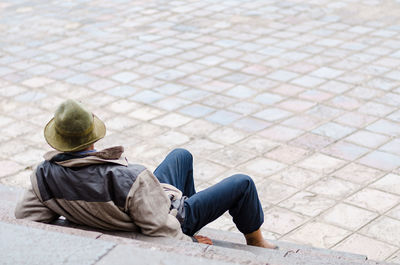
x: 243, y: 180
x: 182, y: 153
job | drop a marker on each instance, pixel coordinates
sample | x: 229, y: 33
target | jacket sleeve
x: 31, y: 208
x: 149, y: 207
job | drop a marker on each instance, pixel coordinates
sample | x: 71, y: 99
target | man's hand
x: 203, y: 240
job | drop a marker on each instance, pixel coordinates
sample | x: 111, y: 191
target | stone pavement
x: 302, y: 95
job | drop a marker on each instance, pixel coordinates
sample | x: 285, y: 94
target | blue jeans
x: 236, y: 194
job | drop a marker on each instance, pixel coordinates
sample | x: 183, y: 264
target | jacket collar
x: 109, y: 155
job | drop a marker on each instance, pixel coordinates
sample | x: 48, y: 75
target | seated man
x: 100, y: 189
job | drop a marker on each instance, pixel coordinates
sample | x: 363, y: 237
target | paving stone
x: 333, y: 130
x: 348, y: 216
x: 146, y: 96
x: 272, y: 114
x: 367, y: 139
x: 307, y: 203
x: 268, y: 98
x: 375, y: 250
x: 195, y: 110
x: 345, y: 150
x: 333, y: 188
x: 223, y: 117
x: 308, y: 81
x: 203, y: 147
x: 374, y: 200
x: 287, y: 154
x: 280, y: 133
x: 256, y: 144
x: 358, y: 173
x: 389, y: 183
x: 381, y: 160
x: 296, y: 105
x: 251, y: 124
x: 172, y: 120
x: 227, y: 136
x: 199, y: 128
x: 263, y: 167
x: 321, y: 163
x: 9, y: 168
x: 327, y: 236
x: 385, y: 229
x: 282, y: 221
x: 230, y: 156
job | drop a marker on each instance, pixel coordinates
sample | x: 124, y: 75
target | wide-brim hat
x: 73, y: 128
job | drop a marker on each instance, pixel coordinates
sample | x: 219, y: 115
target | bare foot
x: 203, y: 240
x: 256, y: 239
x: 264, y: 244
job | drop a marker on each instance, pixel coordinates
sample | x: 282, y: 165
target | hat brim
x: 71, y: 144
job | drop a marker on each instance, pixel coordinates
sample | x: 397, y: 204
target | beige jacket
x: 101, y: 190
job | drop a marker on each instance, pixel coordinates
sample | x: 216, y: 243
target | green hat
x: 73, y: 128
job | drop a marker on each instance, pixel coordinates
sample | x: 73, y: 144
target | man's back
x: 86, y: 190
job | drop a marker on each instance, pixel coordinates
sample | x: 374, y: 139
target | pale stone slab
x: 296, y: 177
x: 318, y: 235
x: 307, y: 203
x: 374, y: 249
x: 395, y: 213
x: 332, y: 187
x: 282, y: 221
x: 390, y: 182
x: 287, y: 154
x: 274, y: 192
x: 385, y: 229
x: 358, y: 173
x: 374, y: 200
x: 263, y: 166
x: 348, y: 216
x: 321, y: 163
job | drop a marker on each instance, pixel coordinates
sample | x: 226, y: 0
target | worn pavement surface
x: 301, y: 95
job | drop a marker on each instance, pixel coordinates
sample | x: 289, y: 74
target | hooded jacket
x: 100, y: 189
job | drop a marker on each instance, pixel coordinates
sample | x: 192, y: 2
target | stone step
x: 226, y: 238
x: 25, y: 245
x: 228, y: 246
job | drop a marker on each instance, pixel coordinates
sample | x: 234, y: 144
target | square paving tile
x: 307, y: 203
x: 333, y: 130
x: 368, y: 139
x: 333, y: 188
x: 389, y: 183
x: 344, y: 150
x: 257, y: 144
x: 358, y: 173
x: 250, y: 124
x: 226, y: 136
x: 394, y: 213
x: 172, y: 120
x: 321, y: 163
x: 280, y: 133
x: 381, y: 160
x: 296, y: 177
x: 348, y: 216
x: 287, y: 154
x: 373, y: 249
x: 385, y: 229
x: 318, y: 234
x: 374, y: 200
x: 272, y: 114
x: 282, y: 221
x: 263, y: 167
